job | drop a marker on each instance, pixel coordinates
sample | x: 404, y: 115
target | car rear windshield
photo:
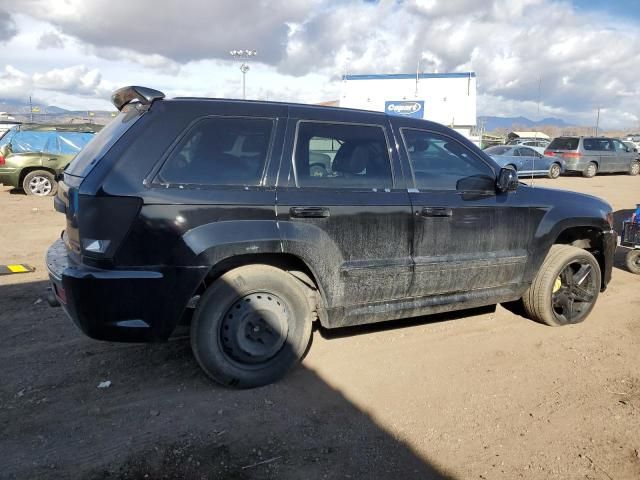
x: 564, y: 143
x: 88, y: 157
x: 498, y: 150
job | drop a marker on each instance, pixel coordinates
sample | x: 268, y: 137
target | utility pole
x: 30, y: 109
x: 597, y: 121
x: 418, y: 74
x: 243, y: 55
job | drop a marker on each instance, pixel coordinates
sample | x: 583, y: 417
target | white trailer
x: 446, y: 98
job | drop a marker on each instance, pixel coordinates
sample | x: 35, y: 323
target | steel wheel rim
x: 40, y: 185
x: 555, y: 171
x: 574, y: 292
x: 254, y: 329
x: 591, y: 170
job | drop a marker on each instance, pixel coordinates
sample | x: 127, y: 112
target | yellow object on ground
x: 17, y: 268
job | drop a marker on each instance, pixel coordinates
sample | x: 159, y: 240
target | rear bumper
x: 122, y: 305
x: 609, y: 244
x: 9, y: 176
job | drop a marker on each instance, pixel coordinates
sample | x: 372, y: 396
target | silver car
x: 591, y: 155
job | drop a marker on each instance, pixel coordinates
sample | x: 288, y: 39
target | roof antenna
x: 535, y: 136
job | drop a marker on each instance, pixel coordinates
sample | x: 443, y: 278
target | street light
x: 243, y: 55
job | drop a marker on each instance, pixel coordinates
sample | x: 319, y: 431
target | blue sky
x: 74, y: 53
x: 620, y: 8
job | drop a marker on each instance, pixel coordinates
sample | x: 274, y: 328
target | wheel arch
x: 588, y: 238
x: 290, y: 263
x: 27, y: 170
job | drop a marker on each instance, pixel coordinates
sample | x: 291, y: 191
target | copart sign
x: 405, y: 108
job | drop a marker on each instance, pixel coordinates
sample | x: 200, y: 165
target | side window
x: 590, y: 144
x: 441, y: 163
x: 620, y: 147
x: 527, y: 152
x: 342, y: 156
x: 220, y: 151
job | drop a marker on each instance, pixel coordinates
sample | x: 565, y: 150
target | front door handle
x: 309, y: 212
x: 436, y: 212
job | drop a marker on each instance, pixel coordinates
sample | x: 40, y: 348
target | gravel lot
x: 476, y: 395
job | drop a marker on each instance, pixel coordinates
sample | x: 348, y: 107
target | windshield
x: 102, y: 143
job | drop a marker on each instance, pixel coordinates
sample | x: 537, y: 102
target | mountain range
x: 20, y: 111
x: 495, y: 123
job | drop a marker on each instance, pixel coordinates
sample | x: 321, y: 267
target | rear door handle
x: 436, y: 212
x: 309, y: 212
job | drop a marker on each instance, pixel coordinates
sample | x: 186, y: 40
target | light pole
x: 243, y: 55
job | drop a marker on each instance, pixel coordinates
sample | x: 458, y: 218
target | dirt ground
x: 476, y: 395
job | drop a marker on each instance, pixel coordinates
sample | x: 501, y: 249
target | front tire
x: 40, y: 183
x: 634, y: 168
x: 554, y: 171
x: 565, y: 288
x: 252, y: 326
x: 632, y: 261
x: 591, y: 170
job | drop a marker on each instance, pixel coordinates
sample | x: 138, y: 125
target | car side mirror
x: 507, y: 180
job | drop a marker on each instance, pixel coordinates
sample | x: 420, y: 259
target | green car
x: 32, y: 156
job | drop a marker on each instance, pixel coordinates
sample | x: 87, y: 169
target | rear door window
x: 220, y: 151
x: 597, y: 144
x: 564, y: 143
x: 342, y: 156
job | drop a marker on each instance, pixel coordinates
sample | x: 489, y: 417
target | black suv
x: 251, y: 220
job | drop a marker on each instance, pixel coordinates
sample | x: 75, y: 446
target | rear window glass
x: 564, y: 143
x: 220, y: 151
x: 498, y: 150
x: 100, y: 144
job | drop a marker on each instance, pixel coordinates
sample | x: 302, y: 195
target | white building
x: 446, y: 98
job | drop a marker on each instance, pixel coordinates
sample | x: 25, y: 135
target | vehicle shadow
x: 160, y: 416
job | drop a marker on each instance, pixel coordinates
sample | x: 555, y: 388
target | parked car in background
x: 526, y: 160
x: 32, y: 156
x: 590, y: 155
x: 169, y: 221
x: 633, y: 138
x: 539, y: 143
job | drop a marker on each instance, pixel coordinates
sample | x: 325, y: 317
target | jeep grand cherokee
x: 210, y: 211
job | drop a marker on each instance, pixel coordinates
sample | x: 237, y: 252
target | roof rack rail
x: 125, y: 95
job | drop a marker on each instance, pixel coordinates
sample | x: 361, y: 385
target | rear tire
x: 632, y: 261
x: 566, y: 287
x: 634, y: 168
x: 252, y: 326
x: 554, y: 171
x: 40, y: 183
x: 590, y: 171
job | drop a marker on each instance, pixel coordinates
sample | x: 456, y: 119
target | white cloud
x: 582, y: 60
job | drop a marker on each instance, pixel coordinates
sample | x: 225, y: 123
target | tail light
x: 103, y: 223
x: 571, y: 155
x: 1, y: 160
x: 549, y: 153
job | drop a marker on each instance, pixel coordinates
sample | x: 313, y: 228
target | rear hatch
x: 71, y: 203
x: 564, y: 147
